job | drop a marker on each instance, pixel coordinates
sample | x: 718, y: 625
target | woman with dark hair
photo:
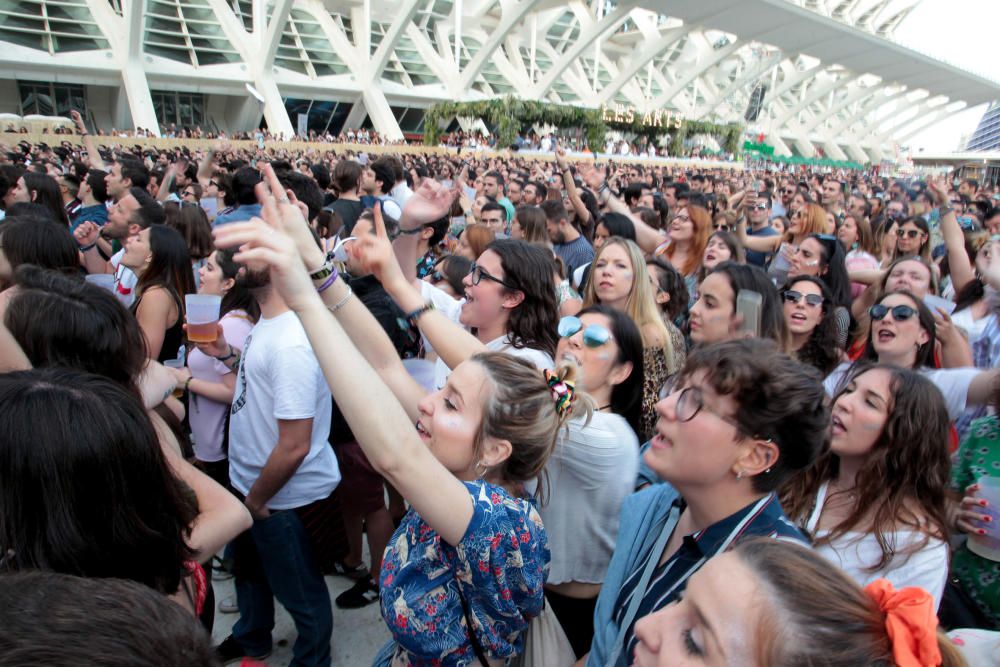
x: 740, y: 421
x: 723, y: 246
x: 594, y: 464
x: 86, y: 489
x: 192, y: 223
x: 903, y: 333
x: 158, y: 255
x: 714, y: 317
x: 782, y: 605
x: 671, y: 295
x: 822, y: 255
x: 449, y: 274
x: 809, y: 315
x: 913, y: 237
x: 875, y: 502
x: 210, y: 383
x: 42, y: 244
x: 44, y: 190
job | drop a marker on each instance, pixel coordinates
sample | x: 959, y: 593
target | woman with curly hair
x: 875, y: 502
x: 809, y: 314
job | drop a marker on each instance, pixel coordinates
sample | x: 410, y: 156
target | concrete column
x: 140, y: 102
x: 381, y: 114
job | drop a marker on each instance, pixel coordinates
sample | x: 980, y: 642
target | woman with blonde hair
x: 618, y: 279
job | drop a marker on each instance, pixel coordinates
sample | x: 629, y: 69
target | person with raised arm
x: 463, y: 574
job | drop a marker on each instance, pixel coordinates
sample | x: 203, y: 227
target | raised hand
x: 375, y: 254
x: 561, y: 159
x: 429, y: 203
x: 87, y: 233
x: 937, y: 191
x: 78, y: 121
x: 281, y: 211
x: 592, y: 176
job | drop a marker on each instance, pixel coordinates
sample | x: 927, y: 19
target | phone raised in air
x: 748, y: 307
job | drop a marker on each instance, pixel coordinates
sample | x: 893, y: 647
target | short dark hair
x: 777, y: 398
x: 554, y: 210
x: 540, y: 188
x: 499, y: 178
x: 384, y: 174
x: 133, y: 169
x: 321, y: 174
x: 98, y: 186
x: 245, y: 179
x: 306, y: 191
x: 634, y: 192
x: 61, y: 621
x: 149, y: 213
x: 492, y: 205
x: 618, y: 224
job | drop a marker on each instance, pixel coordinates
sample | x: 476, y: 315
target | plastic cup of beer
x: 988, y: 545
x: 202, y: 317
x: 176, y: 364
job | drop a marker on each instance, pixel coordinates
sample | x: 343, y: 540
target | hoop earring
x: 481, y: 473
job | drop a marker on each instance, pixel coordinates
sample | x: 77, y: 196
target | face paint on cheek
x: 604, y: 356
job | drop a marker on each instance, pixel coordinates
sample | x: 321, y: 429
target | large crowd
x: 594, y: 414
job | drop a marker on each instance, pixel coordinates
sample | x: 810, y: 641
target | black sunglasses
x: 900, y: 313
x: 794, y: 296
x: 910, y: 233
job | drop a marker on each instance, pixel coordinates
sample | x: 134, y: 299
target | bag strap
x: 476, y: 646
x: 640, y: 588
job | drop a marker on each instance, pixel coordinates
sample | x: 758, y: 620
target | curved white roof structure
x: 834, y: 79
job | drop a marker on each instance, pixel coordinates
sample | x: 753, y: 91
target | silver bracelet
x: 340, y: 304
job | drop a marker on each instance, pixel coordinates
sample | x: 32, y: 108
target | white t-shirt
x: 280, y: 378
x: 591, y: 470
x: 952, y: 382
x: 125, y: 279
x: 452, y: 309
x: 856, y: 552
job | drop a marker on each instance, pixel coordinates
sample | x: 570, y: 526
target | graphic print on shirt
x: 242, y: 400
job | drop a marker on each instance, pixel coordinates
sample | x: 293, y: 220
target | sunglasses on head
x: 900, y: 313
x: 794, y: 296
x: 909, y: 233
x: 594, y: 335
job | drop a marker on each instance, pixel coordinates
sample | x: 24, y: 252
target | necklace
x: 603, y: 407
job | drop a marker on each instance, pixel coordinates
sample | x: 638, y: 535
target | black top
x: 349, y: 211
x: 173, y: 338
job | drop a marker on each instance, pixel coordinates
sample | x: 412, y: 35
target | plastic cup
x: 988, y: 545
x: 935, y: 302
x: 175, y: 364
x: 104, y: 280
x: 202, y: 317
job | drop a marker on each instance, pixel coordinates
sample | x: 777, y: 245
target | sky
x: 962, y: 32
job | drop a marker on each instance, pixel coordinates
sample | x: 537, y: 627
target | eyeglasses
x: 215, y: 183
x: 966, y: 222
x: 594, y: 335
x: 760, y: 206
x: 900, y: 313
x: 683, y: 218
x: 788, y: 192
x: 908, y: 233
x: 478, y: 273
x: 437, y: 277
x: 187, y: 193
x: 690, y: 402
x: 721, y: 228
x: 794, y: 296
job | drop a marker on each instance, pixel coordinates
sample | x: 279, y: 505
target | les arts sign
x: 620, y: 113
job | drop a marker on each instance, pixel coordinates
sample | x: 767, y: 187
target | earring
x: 739, y: 474
x: 767, y: 472
x: 480, y: 473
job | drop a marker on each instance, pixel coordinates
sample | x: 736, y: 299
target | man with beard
x: 568, y: 243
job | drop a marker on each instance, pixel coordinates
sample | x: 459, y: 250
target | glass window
x: 180, y: 109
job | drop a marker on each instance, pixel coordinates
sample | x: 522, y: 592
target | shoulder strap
x: 476, y: 646
x: 640, y: 588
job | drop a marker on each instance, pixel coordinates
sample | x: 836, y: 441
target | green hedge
x: 507, y: 116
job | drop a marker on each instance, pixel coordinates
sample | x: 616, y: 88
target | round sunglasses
x: 911, y: 233
x: 794, y: 296
x: 594, y: 335
x: 900, y: 313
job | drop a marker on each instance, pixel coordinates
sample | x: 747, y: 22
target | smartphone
x: 748, y: 306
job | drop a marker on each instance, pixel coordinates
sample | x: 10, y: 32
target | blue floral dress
x: 501, y: 565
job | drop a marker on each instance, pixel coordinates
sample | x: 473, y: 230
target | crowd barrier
x: 160, y: 143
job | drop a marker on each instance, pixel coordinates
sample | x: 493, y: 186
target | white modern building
x: 827, y: 73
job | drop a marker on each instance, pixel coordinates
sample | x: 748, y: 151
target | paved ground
x: 358, y: 634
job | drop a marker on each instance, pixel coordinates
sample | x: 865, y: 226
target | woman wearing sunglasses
x: 449, y: 274
x: 809, y: 315
x: 822, y: 256
x: 618, y: 279
x: 903, y: 333
x: 741, y: 420
x: 874, y: 503
x: 805, y: 221
x: 913, y: 237
x: 593, y: 467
